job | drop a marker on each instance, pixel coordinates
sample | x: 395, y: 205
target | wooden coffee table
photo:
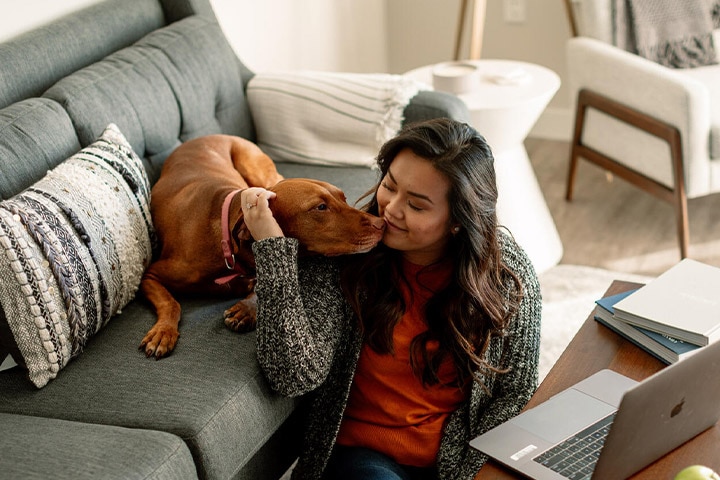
x: 594, y: 348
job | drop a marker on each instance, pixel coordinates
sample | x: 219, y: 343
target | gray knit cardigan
x: 308, y: 344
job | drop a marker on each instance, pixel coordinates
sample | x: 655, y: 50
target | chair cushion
x: 73, y: 248
x: 35, y: 447
x: 710, y: 77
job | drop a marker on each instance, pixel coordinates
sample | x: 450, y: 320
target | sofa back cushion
x: 177, y: 83
x: 35, y: 136
x: 34, y: 61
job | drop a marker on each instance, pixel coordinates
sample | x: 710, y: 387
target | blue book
x: 666, y: 348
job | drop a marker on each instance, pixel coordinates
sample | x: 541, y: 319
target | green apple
x: 697, y: 472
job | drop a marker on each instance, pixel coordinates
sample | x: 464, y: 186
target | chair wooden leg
x: 683, y: 227
x: 574, y: 154
x: 681, y: 209
x: 572, y: 169
x: 675, y: 195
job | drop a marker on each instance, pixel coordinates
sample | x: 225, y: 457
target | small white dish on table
x: 455, y: 77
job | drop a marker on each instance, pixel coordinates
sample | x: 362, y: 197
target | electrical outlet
x: 514, y: 11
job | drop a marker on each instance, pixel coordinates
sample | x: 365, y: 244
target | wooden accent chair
x: 653, y: 126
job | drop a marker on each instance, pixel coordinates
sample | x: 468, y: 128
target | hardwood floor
x: 613, y: 225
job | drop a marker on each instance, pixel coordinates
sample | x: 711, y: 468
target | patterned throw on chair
x: 674, y: 33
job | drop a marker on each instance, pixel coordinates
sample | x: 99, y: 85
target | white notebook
x: 683, y: 302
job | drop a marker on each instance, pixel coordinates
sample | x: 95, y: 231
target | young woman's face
x: 413, y: 200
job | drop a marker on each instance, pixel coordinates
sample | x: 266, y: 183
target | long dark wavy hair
x: 477, y: 305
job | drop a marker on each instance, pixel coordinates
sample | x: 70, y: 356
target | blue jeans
x: 356, y: 463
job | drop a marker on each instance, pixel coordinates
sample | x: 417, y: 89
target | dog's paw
x: 159, y: 342
x: 241, y: 316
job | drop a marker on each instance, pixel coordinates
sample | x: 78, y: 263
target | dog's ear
x: 240, y: 230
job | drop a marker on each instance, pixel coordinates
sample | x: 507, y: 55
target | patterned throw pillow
x: 73, y: 248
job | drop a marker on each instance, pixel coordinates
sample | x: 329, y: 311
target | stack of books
x: 672, y: 316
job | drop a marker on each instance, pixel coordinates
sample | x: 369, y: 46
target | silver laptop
x: 609, y: 426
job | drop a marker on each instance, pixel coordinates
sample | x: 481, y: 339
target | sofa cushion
x: 353, y: 181
x: 73, y: 248
x: 49, y: 448
x: 210, y: 392
x: 177, y: 83
x: 35, y: 136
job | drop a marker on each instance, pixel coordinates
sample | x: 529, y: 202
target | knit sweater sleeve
x: 300, y: 316
x: 519, y: 352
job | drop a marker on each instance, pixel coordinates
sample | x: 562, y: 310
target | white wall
x: 363, y: 36
x: 345, y: 35
x: 18, y: 17
x: 394, y: 36
x: 541, y: 39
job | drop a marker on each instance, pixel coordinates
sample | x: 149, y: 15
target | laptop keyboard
x: 575, y: 458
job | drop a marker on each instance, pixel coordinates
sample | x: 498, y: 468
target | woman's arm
x: 299, y: 310
x: 300, y: 316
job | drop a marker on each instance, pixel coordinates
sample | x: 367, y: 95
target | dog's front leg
x: 241, y: 316
x: 160, y: 340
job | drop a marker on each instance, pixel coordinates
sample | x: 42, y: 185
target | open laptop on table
x: 629, y: 425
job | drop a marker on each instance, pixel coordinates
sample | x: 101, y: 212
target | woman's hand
x: 258, y: 216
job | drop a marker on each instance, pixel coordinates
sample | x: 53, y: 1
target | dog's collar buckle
x: 229, y: 260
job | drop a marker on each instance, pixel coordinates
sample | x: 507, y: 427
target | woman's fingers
x: 257, y: 214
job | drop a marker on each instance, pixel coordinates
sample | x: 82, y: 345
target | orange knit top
x: 389, y: 410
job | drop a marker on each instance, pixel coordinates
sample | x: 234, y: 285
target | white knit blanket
x: 326, y: 118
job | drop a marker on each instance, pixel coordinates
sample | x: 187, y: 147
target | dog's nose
x: 378, y: 223
x: 371, y: 220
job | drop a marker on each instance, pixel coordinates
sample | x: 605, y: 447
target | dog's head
x: 318, y: 215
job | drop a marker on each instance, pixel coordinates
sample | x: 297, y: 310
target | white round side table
x: 505, y: 104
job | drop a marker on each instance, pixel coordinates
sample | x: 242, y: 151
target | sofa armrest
x: 430, y: 104
x: 660, y: 92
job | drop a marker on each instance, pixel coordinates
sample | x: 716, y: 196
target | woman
x: 412, y: 349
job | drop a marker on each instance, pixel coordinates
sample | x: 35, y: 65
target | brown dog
x: 197, y: 180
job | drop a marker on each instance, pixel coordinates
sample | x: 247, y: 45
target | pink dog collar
x: 225, y: 243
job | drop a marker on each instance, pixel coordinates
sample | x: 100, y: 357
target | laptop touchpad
x: 563, y: 415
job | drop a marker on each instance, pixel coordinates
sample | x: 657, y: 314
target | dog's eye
x: 321, y: 207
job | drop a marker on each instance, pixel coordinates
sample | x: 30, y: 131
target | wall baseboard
x: 554, y: 124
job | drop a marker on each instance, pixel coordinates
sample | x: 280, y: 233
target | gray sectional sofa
x: 163, y: 72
